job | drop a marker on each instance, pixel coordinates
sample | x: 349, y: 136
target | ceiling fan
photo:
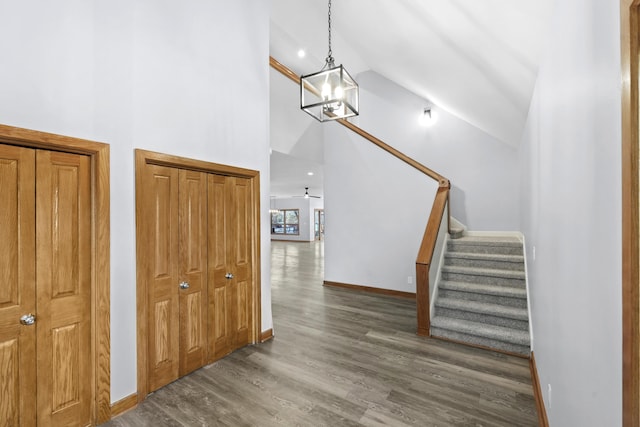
x: 307, y: 195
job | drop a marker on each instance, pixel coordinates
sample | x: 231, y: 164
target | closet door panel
x: 193, y: 270
x: 162, y: 211
x: 218, y: 283
x: 17, y: 286
x: 240, y: 245
x: 63, y: 270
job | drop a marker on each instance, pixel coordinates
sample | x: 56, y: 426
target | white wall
x: 306, y: 208
x: 173, y: 77
x: 377, y: 209
x: 571, y: 215
x: 483, y: 170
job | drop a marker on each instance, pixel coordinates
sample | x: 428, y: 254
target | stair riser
x: 494, y: 299
x: 485, y: 263
x: 456, y: 234
x: 485, y: 280
x: 454, y: 246
x: 522, y: 325
x: 473, y: 339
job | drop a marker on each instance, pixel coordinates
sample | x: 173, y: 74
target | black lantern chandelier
x: 331, y: 93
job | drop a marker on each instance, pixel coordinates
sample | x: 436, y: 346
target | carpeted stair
x: 482, y: 297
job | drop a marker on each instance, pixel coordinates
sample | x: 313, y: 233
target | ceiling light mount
x: 306, y: 194
x: 331, y: 93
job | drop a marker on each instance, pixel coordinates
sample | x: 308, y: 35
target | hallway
x: 343, y: 358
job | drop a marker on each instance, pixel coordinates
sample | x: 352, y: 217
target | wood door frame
x: 630, y: 67
x: 320, y: 232
x: 143, y: 158
x: 100, y: 249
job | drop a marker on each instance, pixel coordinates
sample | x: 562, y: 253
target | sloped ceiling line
x: 477, y: 60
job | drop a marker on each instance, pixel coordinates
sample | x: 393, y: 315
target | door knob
x: 28, y: 319
x: 184, y: 285
x: 229, y: 276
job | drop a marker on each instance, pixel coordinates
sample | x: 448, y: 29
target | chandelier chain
x: 330, y: 53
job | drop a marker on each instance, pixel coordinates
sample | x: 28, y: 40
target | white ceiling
x: 477, y: 59
x: 296, y: 142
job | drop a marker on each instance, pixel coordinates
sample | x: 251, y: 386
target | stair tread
x: 488, y: 240
x: 498, y: 310
x: 484, y: 256
x: 484, y: 297
x: 491, y: 272
x: 498, y: 333
x: 480, y: 288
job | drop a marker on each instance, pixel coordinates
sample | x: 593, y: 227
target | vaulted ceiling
x: 476, y: 59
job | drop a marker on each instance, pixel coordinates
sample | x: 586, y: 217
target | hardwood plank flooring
x: 343, y: 358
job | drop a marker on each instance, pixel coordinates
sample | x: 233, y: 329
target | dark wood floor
x: 343, y: 358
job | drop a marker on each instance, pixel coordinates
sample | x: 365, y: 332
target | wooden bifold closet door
x: 230, y: 313
x: 178, y: 269
x: 46, y: 364
x: 199, y: 269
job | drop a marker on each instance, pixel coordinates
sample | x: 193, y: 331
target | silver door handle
x: 228, y: 276
x: 28, y: 319
x: 184, y: 285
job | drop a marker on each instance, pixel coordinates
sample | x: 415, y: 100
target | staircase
x: 482, y: 297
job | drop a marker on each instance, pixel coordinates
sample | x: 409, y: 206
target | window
x: 285, y: 221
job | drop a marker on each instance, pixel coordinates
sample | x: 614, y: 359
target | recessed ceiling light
x: 310, y: 173
x: 302, y: 53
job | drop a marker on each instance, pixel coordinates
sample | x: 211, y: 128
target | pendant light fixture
x: 331, y: 93
x: 272, y: 205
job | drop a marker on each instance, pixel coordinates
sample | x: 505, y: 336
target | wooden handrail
x: 284, y: 70
x: 442, y: 181
x: 430, y: 237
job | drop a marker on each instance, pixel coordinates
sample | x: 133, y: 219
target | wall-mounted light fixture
x: 428, y: 117
x: 331, y: 93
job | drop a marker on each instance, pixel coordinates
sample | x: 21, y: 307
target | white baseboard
x: 526, y: 281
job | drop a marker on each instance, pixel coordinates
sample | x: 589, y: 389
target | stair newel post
x: 424, y: 259
x: 422, y: 299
